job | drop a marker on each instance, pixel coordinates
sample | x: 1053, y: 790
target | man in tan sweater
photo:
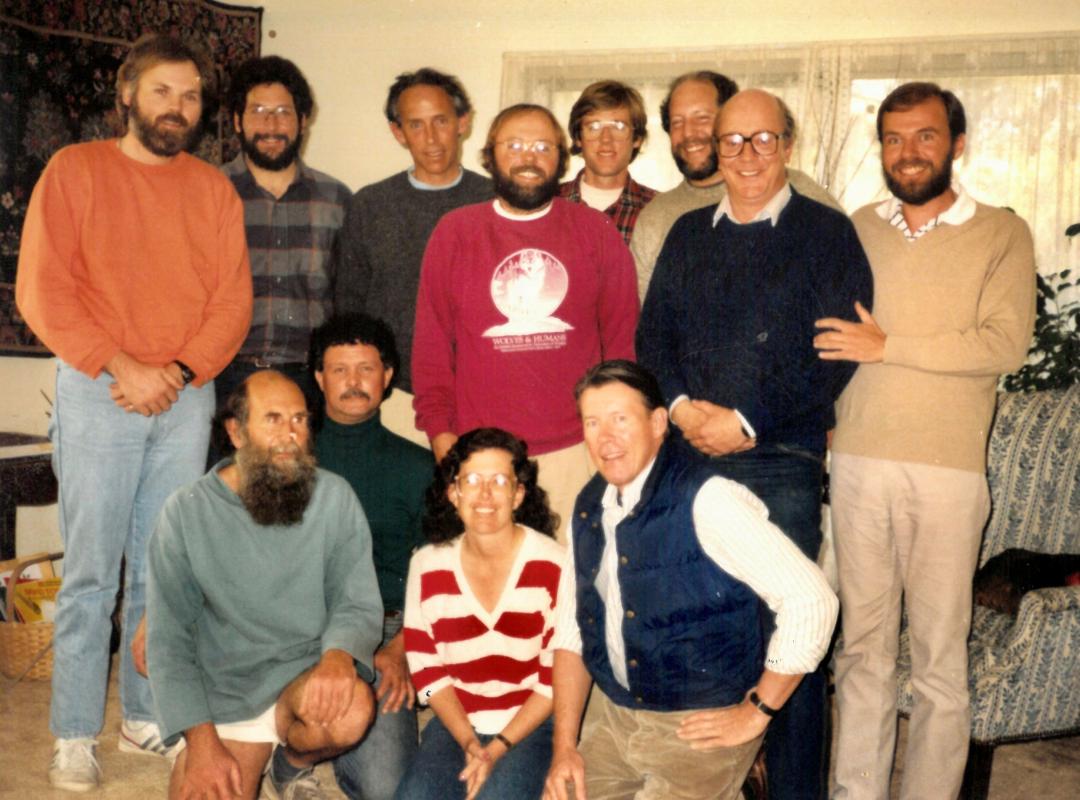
x: 954, y: 301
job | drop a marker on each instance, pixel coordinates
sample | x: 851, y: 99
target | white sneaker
x: 145, y: 738
x: 74, y: 766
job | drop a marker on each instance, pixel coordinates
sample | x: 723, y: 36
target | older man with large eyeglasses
x: 728, y: 328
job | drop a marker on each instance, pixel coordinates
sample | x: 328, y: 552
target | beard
x: 917, y: 194
x: 158, y: 139
x: 526, y: 198
x: 707, y: 169
x: 272, y: 492
x: 274, y: 163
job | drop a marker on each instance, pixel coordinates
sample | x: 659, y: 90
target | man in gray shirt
x: 388, y: 223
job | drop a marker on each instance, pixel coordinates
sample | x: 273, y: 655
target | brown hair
x: 487, y: 155
x: 602, y: 96
x: 152, y: 49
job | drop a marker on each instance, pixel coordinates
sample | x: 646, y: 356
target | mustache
x: 705, y: 140
x: 349, y: 394
x: 258, y: 137
x: 527, y: 170
x: 173, y: 117
x: 912, y: 162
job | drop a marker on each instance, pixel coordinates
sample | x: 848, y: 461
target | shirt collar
x: 416, y: 183
x: 962, y: 209
x: 631, y: 493
x: 770, y: 211
x: 502, y: 212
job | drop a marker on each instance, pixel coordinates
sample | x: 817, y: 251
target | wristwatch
x: 768, y: 711
x: 185, y: 372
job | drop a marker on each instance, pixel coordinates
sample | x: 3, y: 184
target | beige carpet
x: 1047, y: 770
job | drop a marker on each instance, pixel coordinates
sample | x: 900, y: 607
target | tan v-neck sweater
x: 957, y: 306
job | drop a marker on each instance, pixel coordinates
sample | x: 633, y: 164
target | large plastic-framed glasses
x: 517, y: 147
x: 267, y: 113
x: 595, y: 129
x: 765, y: 143
x: 474, y: 482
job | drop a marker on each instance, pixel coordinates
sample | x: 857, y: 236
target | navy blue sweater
x: 730, y: 314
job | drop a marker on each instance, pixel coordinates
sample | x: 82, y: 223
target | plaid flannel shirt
x: 290, y: 241
x: 624, y: 211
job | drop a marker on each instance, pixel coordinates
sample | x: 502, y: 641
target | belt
x: 263, y: 362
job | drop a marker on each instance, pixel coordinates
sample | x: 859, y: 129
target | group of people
x: 544, y: 456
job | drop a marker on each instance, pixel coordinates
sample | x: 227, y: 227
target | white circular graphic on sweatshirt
x: 527, y: 287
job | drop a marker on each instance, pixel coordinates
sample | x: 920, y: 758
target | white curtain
x: 1021, y: 95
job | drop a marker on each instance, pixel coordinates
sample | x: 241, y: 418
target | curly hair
x: 441, y: 521
x: 269, y: 69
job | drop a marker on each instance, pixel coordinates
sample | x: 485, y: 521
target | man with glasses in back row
x: 517, y: 298
x: 728, y: 328
x: 607, y: 129
x: 292, y: 214
x: 688, y: 116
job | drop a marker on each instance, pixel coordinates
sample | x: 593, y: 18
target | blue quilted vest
x: 692, y: 632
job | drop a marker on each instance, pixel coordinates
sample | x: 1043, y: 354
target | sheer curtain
x: 1021, y: 94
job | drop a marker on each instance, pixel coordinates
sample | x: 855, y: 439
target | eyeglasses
x: 474, y: 483
x: 267, y: 113
x: 765, y: 143
x: 595, y: 129
x: 517, y: 147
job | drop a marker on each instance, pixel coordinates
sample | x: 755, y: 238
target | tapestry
x: 58, y: 63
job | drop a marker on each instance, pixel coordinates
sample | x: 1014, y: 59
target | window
x: 1021, y: 96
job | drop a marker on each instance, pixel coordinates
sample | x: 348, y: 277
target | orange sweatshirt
x: 117, y: 255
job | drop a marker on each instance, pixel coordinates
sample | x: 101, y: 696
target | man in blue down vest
x: 659, y: 607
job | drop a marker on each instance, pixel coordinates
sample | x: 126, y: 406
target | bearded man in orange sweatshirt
x: 133, y: 270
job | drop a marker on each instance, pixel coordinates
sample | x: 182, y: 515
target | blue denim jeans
x: 373, y: 769
x: 115, y: 470
x: 519, y: 775
x: 789, y: 481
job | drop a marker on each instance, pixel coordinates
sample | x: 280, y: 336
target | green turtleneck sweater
x: 390, y: 475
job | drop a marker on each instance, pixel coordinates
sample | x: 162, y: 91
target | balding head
x: 753, y: 120
x: 273, y: 471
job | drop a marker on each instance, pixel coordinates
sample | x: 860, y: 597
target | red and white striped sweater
x: 493, y: 660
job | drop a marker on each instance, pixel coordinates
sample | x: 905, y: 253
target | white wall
x: 351, y: 51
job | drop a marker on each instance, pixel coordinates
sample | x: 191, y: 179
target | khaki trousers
x: 910, y: 530
x: 635, y: 755
x: 563, y: 474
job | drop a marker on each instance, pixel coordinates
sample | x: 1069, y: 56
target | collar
x: 416, y: 183
x: 770, y: 211
x: 356, y: 431
x: 962, y: 209
x: 502, y: 212
x: 631, y: 493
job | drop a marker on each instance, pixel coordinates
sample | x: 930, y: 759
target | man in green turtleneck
x: 354, y: 357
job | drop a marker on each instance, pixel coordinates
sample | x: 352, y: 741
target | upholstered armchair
x: 1024, y: 673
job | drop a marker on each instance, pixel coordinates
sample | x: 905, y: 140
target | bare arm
x: 570, y: 683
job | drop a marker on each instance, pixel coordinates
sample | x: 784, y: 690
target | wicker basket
x: 26, y: 649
